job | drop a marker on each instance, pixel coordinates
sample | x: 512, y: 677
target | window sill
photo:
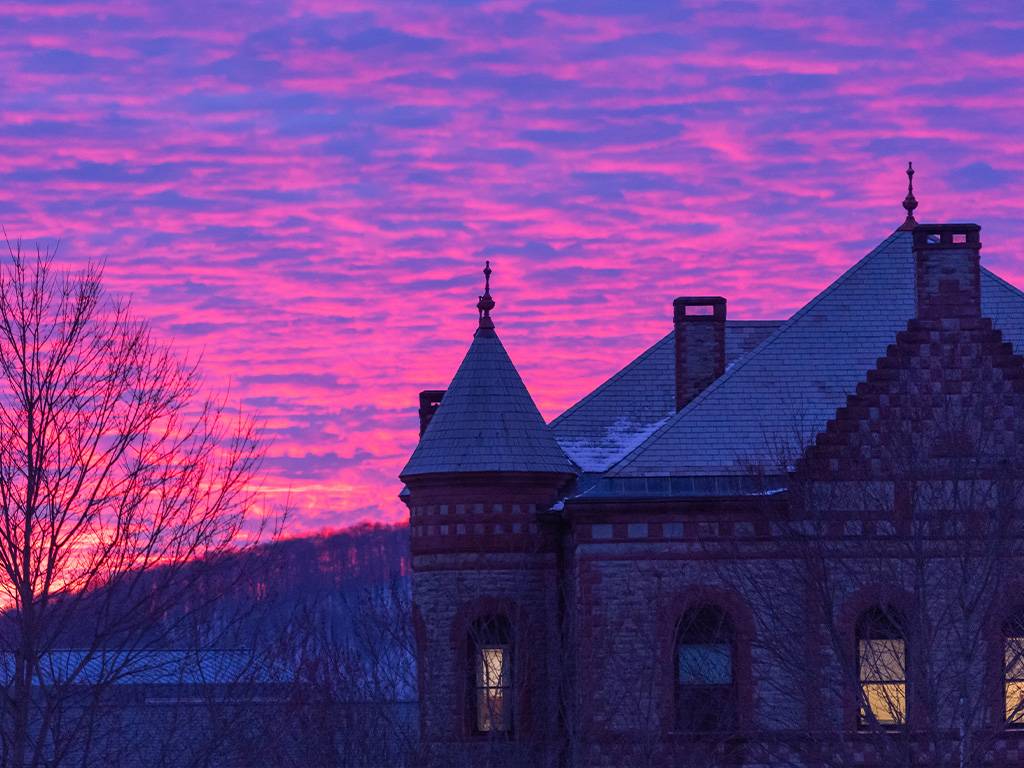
x: 500, y: 737
x: 723, y: 736
x: 886, y: 728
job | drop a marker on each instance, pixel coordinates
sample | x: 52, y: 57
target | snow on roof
x: 627, y: 408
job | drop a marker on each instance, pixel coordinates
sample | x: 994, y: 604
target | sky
x: 304, y: 193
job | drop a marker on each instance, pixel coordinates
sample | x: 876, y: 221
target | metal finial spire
x: 486, y: 303
x: 910, y: 202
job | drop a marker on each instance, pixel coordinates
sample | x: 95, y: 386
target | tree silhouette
x: 120, y: 489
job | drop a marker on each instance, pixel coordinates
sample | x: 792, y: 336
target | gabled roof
x: 487, y: 421
x: 774, y: 401
x: 617, y: 416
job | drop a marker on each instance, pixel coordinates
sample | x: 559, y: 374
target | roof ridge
x: 1001, y: 281
x: 742, y: 362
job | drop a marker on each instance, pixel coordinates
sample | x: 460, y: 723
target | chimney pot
x: 948, y: 270
x: 699, y: 323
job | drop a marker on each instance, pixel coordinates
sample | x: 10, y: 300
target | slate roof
x: 776, y: 399
x: 151, y: 667
x: 487, y: 421
x: 626, y: 409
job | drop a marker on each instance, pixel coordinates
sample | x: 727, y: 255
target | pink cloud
x: 306, y: 193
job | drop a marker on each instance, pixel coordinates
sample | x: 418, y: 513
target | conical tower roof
x: 487, y: 421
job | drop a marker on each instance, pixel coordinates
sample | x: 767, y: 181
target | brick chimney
x: 948, y: 271
x: 430, y: 399
x: 700, y: 344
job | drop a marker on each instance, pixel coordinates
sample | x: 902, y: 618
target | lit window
x: 492, y: 689
x: 705, y: 690
x: 491, y: 665
x: 1013, y: 671
x: 882, y: 669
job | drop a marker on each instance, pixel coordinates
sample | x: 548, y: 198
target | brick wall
x: 796, y: 616
x: 630, y: 597
x: 450, y: 594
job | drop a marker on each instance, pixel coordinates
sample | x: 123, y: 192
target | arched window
x: 705, y: 682
x: 1013, y: 670
x: 882, y: 668
x: 490, y: 674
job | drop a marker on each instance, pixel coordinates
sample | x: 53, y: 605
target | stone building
x: 759, y: 543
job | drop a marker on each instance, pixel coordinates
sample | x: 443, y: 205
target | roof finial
x: 910, y: 202
x: 486, y: 303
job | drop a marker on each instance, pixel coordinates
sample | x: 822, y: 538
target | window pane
x: 1015, y: 703
x: 706, y: 709
x: 705, y: 664
x: 492, y: 680
x: 491, y: 667
x: 886, y: 701
x: 1015, y: 658
x: 882, y: 660
x: 492, y: 714
x: 1013, y: 674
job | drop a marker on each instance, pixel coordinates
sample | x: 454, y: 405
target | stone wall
x: 449, y: 593
x: 794, y: 594
x: 480, y: 549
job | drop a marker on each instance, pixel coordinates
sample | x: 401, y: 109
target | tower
x: 486, y: 586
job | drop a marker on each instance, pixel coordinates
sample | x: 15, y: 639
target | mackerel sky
x: 304, y: 193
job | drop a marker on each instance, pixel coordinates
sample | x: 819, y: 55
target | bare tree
x: 351, y: 695
x: 120, y: 489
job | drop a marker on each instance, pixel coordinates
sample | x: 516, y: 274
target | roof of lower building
x: 627, y: 408
x: 93, y: 667
x: 758, y: 416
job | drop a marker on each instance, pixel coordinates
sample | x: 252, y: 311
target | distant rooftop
x: 148, y: 667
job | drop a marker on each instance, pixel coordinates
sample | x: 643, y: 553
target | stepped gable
x: 761, y: 414
x: 946, y: 390
x: 487, y: 421
x: 944, y: 387
x: 617, y: 416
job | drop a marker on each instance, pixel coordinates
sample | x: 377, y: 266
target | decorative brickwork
x: 949, y: 388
